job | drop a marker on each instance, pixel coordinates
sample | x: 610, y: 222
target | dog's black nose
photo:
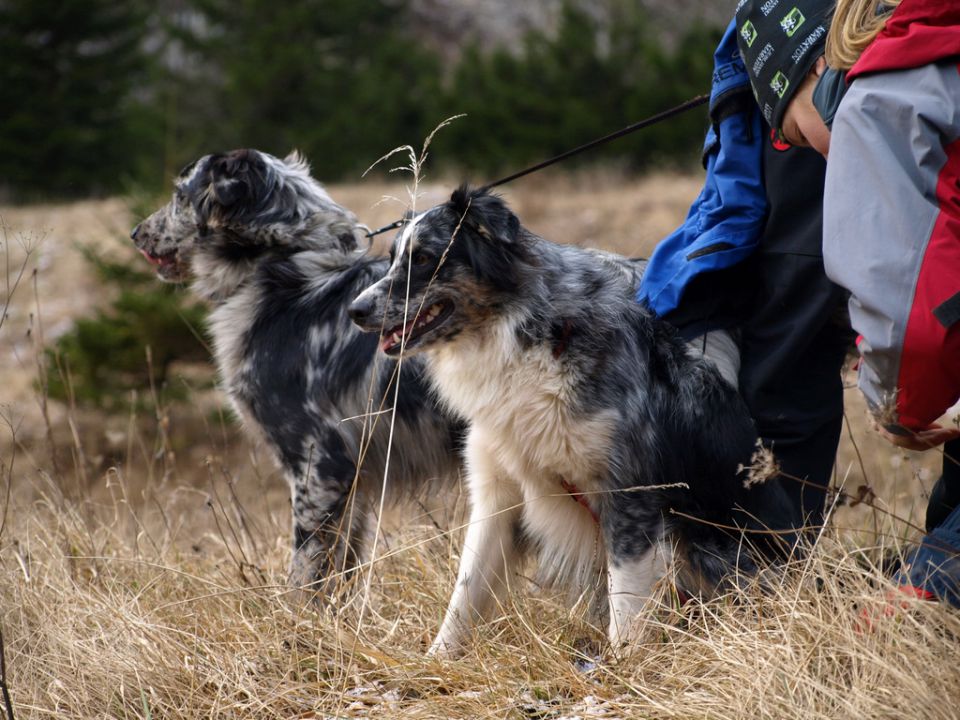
x: 360, y: 310
x: 133, y: 233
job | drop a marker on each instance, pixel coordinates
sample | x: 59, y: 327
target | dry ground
x: 141, y: 574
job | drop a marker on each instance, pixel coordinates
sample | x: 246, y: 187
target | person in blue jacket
x: 748, y: 259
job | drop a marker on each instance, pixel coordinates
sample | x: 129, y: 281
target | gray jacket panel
x: 880, y: 207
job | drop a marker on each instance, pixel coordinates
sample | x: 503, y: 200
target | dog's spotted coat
x: 567, y: 382
x: 280, y: 261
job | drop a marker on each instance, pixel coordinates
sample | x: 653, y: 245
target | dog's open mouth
x: 159, y: 260
x: 406, y: 335
x: 167, y: 265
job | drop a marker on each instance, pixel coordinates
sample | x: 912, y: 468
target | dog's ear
x: 295, y: 159
x: 236, y: 184
x: 188, y: 168
x: 490, y: 236
x: 486, y: 214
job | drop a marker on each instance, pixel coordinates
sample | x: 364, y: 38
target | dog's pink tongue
x: 150, y: 258
x: 388, y: 342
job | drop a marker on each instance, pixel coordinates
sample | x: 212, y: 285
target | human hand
x: 919, y: 440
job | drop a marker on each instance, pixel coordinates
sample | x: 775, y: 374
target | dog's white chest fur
x: 526, y: 442
x: 522, y: 399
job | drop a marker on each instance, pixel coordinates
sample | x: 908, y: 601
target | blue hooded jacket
x: 726, y: 220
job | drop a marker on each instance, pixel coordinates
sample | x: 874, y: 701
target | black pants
x: 945, y: 495
x: 794, y: 330
x: 793, y: 345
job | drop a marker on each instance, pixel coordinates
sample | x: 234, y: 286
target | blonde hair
x: 855, y: 25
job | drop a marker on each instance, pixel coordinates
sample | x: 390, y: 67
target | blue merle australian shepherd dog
x: 279, y: 261
x: 572, y: 391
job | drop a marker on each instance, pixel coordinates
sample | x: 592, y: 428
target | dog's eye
x: 421, y: 259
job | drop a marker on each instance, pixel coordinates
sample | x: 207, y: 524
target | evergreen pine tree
x: 583, y: 81
x: 336, y: 79
x: 104, y: 355
x: 69, y: 72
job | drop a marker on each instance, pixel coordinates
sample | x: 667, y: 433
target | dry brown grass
x: 105, y: 617
x: 152, y: 588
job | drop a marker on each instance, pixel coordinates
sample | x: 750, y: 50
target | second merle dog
x: 279, y: 261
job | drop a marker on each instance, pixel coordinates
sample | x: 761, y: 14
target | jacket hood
x: 919, y: 32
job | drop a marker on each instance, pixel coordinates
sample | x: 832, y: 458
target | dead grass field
x: 141, y: 574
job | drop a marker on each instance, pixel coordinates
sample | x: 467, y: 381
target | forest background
x: 101, y: 97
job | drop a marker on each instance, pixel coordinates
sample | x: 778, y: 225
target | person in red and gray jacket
x: 892, y: 236
x: 885, y: 107
x: 892, y: 208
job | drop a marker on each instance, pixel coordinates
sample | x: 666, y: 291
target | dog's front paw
x: 448, y: 645
x: 446, y: 648
x: 627, y: 623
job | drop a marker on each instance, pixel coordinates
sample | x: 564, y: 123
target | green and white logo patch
x: 779, y: 84
x: 749, y: 33
x: 792, y: 21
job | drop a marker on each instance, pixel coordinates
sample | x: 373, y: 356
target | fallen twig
x: 7, y: 701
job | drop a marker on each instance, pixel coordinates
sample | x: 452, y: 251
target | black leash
x: 652, y: 120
